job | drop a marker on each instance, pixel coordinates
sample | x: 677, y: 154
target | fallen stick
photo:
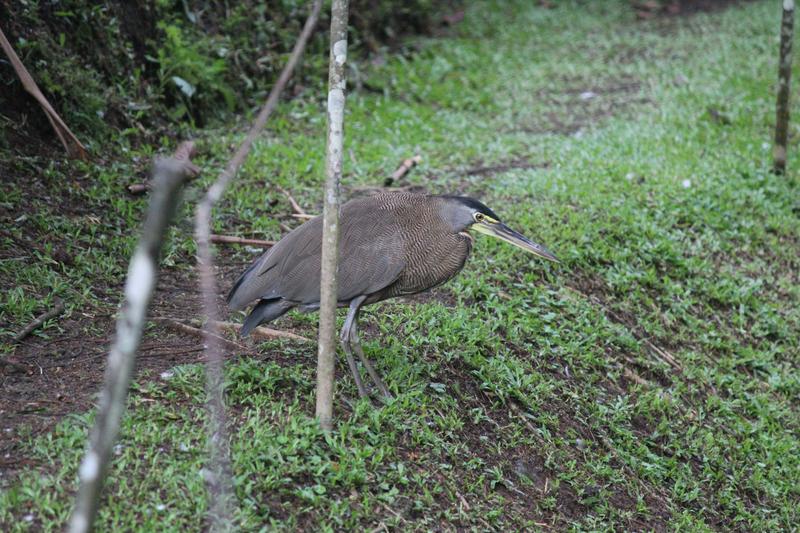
x: 138, y: 188
x: 71, y: 143
x: 304, y: 216
x: 263, y: 333
x: 295, y: 206
x: 404, y: 168
x: 38, y: 321
x: 191, y: 330
x: 228, y: 239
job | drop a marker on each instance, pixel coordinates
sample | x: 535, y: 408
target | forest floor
x: 647, y: 382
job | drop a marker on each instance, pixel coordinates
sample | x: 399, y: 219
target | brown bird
x: 391, y: 244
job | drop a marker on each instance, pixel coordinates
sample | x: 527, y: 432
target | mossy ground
x: 649, y: 381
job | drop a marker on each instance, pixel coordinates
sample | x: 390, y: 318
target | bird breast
x: 433, y: 253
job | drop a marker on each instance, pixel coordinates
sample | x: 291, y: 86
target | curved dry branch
x: 218, y: 478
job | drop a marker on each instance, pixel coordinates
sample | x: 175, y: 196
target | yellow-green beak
x: 504, y: 233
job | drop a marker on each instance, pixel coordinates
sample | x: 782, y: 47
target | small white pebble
x: 183, y: 447
x: 167, y: 374
x: 588, y: 95
x: 160, y: 507
x: 118, y: 449
x: 28, y: 518
x: 686, y: 184
x: 629, y: 176
x: 765, y: 146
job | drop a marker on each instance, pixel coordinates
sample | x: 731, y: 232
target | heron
x: 390, y: 245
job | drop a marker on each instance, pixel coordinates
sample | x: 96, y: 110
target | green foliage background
x: 151, y: 65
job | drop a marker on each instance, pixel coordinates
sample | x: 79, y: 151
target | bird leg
x: 355, y: 343
x: 348, y: 350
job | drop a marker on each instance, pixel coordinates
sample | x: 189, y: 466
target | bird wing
x: 371, y: 257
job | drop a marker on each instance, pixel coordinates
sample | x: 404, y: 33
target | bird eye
x: 479, y: 217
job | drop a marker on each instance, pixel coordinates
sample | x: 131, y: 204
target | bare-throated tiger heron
x: 391, y: 244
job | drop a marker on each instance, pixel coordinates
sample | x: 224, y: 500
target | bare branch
x: 784, y: 78
x: 326, y: 358
x: 295, y: 206
x: 228, y: 239
x: 138, y: 188
x: 218, y: 478
x: 71, y: 143
x: 264, y: 333
x: 404, y: 168
x: 38, y: 321
x: 168, y: 177
x: 185, y: 328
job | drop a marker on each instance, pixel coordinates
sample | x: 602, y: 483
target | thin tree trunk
x: 784, y: 78
x: 218, y: 472
x: 326, y: 360
x: 168, y: 177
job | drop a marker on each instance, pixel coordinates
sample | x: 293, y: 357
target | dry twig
x: 295, y: 206
x: 39, y: 320
x: 264, y: 333
x: 196, y: 332
x: 404, y: 168
x: 71, y: 143
x: 168, y: 177
x: 228, y: 239
x: 138, y: 188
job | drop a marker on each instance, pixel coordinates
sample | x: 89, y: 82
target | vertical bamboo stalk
x: 784, y: 78
x: 330, y: 233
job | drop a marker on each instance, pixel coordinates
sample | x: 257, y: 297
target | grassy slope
x: 527, y: 393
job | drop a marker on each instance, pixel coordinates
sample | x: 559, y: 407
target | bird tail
x: 265, y: 311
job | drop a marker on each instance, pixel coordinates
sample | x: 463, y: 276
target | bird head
x: 465, y: 213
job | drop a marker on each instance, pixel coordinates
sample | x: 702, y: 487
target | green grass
x: 527, y: 393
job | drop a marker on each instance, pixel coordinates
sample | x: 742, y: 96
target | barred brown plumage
x: 391, y: 244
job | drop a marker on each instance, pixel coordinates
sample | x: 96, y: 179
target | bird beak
x: 504, y: 233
